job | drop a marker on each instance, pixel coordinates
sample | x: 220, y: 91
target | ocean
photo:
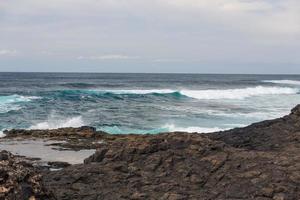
x: 143, y: 103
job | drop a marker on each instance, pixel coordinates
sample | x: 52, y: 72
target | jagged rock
x: 19, y: 179
x: 261, y: 161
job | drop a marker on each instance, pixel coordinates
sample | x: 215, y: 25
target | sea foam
x: 10, y: 103
x: 191, y: 129
x: 240, y: 93
x: 212, y: 94
x: 287, y: 82
x: 1, y: 134
x: 56, y: 122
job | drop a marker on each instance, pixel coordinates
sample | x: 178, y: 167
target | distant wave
x: 9, y: 103
x: 238, y: 93
x: 212, y: 94
x: 254, y: 115
x: 78, y: 85
x: 153, y: 91
x: 286, y: 82
x: 56, y: 122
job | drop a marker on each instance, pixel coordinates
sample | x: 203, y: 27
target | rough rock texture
x: 261, y: 161
x: 278, y: 134
x: 19, y: 179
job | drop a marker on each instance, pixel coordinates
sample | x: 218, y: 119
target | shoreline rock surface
x: 261, y: 161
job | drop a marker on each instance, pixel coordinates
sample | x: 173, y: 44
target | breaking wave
x: 1, y: 134
x: 56, y: 122
x: 286, y: 82
x: 159, y: 91
x: 213, y: 94
x: 10, y: 103
x: 238, y: 93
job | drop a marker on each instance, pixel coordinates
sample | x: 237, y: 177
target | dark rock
x: 261, y: 161
x: 58, y: 164
x: 4, y: 155
x: 266, y: 135
x: 20, y: 180
x: 97, y: 157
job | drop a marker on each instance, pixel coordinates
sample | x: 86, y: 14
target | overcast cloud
x: 194, y: 36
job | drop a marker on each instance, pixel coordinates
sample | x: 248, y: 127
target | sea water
x: 143, y: 103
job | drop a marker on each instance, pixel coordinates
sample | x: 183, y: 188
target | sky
x: 179, y: 36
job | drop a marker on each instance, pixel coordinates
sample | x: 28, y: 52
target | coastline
x: 260, y: 161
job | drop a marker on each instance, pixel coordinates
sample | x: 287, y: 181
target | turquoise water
x: 143, y: 103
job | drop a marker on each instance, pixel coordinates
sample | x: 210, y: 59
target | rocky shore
x: 261, y: 161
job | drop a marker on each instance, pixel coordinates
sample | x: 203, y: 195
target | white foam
x: 8, y: 103
x: 191, y: 129
x: 287, y: 82
x: 56, y: 122
x: 241, y: 93
x: 1, y: 134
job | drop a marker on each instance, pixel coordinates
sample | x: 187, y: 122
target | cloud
x: 160, y: 32
x: 254, y: 16
x: 168, y: 60
x: 7, y: 52
x: 107, y: 57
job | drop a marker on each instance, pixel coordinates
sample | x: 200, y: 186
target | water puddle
x: 44, y: 150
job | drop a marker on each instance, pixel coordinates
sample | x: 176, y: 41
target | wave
x: 211, y: 94
x: 1, y: 134
x: 54, y: 122
x: 78, y: 85
x: 241, y: 93
x: 9, y: 103
x: 253, y: 115
x: 153, y: 91
x: 216, y: 94
x: 165, y: 128
x: 286, y: 82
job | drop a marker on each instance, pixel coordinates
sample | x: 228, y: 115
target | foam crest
x: 9, y: 103
x: 56, y: 122
x: 241, y: 93
x: 191, y: 129
x: 1, y: 134
x: 286, y: 82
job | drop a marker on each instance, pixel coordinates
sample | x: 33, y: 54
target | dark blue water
x: 143, y: 103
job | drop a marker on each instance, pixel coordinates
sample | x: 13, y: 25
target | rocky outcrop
x: 179, y: 166
x: 19, y: 179
x: 261, y: 161
x: 272, y: 135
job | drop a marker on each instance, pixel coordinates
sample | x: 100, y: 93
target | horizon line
x: 195, y: 73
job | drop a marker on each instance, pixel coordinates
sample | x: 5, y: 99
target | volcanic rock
x: 19, y: 179
x: 261, y: 161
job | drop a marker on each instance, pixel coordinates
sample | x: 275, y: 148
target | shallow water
x: 43, y: 150
x: 143, y: 103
